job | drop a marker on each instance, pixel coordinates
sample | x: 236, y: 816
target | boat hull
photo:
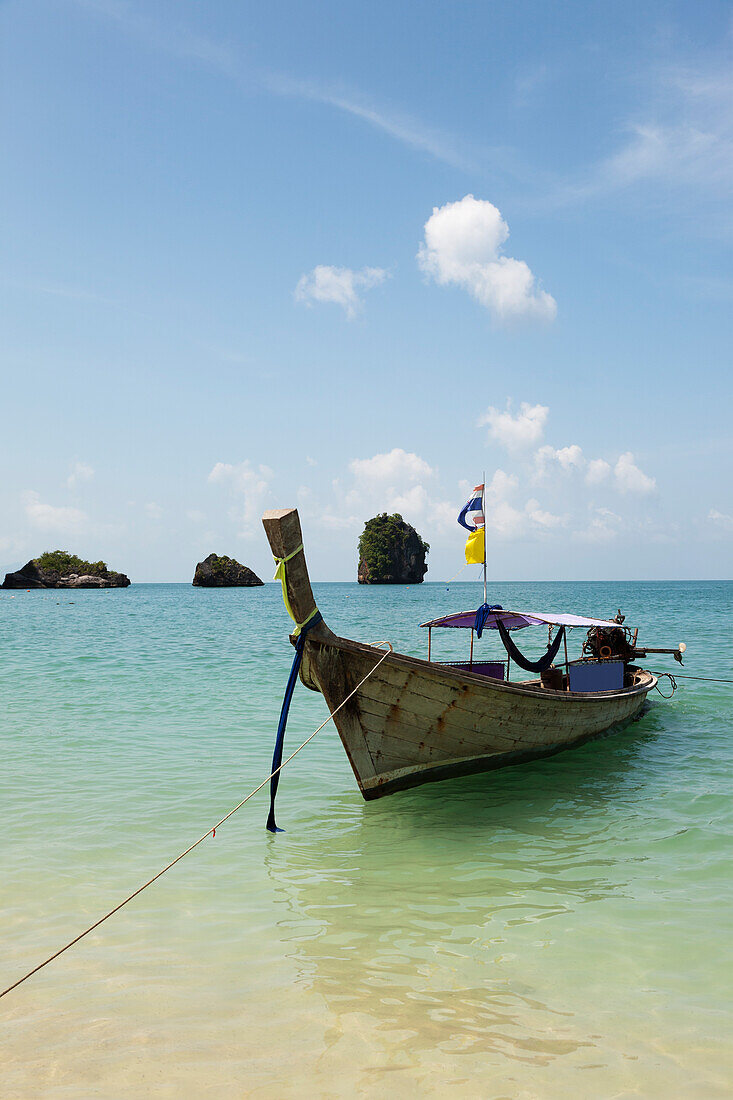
x: 414, y: 722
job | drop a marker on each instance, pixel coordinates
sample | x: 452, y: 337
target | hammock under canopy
x: 497, y: 618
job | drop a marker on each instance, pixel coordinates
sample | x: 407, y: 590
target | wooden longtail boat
x: 415, y: 721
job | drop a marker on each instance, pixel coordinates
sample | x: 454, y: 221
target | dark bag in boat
x: 553, y: 678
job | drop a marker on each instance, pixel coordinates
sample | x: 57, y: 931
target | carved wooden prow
x: 282, y: 527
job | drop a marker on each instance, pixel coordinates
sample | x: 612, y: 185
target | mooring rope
x: 672, y: 683
x: 209, y: 832
x: 684, y: 676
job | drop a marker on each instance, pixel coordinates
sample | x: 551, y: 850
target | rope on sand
x: 209, y: 832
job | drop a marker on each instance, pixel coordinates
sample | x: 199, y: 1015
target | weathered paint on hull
x: 413, y: 722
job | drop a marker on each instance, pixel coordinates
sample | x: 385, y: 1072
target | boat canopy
x: 516, y: 620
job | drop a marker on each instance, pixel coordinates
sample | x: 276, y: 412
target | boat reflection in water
x: 454, y: 921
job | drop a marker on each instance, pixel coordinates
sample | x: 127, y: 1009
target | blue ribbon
x: 482, y: 615
x: 277, y: 756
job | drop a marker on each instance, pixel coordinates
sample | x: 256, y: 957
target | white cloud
x: 548, y: 458
x: 570, y: 457
x: 504, y: 519
x: 335, y: 522
x: 395, y: 481
x: 683, y: 138
x: 515, y: 432
x: 721, y: 519
x: 462, y: 245
x: 603, y: 526
x: 153, y: 510
x: 629, y: 478
x: 47, y: 517
x: 397, y: 124
x: 339, y: 285
x: 80, y: 472
x: 598, y: 470
x: 250, y: 485
x: 394, y: 466
x: 389, y: 482
x: 501, y: 486
x: 541, y: 517
x: 689, y: 141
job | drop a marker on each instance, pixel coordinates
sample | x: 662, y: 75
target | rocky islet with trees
x: 60, y: 569
x: 391, y: 552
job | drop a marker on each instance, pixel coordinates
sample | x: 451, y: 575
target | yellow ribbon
x: 280, y: 576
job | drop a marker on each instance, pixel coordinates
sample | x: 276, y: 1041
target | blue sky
x: 350, y: 256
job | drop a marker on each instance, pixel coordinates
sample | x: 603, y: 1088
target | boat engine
x: 607, y: 642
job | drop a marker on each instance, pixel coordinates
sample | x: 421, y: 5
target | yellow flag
x: 475, y: 547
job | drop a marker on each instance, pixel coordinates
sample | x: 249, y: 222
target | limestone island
x: 59, y: 569
x: 391, y: 552
x: 219, y: 571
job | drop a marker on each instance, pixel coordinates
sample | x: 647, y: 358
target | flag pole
x: 483, y: 509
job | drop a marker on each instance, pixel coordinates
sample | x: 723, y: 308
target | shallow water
x: 560, y: 928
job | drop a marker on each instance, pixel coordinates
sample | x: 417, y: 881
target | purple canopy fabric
x: 517, y: 620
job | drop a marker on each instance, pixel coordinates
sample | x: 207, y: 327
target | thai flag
x: 472, y: 514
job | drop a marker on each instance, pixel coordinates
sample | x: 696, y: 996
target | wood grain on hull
x: 413, y: 722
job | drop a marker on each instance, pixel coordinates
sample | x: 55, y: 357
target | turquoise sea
x: 557, y: 929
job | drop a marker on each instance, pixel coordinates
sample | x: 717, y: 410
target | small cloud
x: 541, y: 517
x: 603, y: 526
x: 250, y: 485
x: 721, y: 519
x: 195, y: 516
x: 505, y: 521
x: 629, y: 478
x: 153, y: 510
x: 515, y: 432
x: 566, y: 458
x: 339, y: 285
x: 310, y: 461
x: 395, y: 481
x: 502, y: 485
x: 80, y: 472
x: 463, y: 244
x: 598, y: 470
x: 48, y: 517
x: 570, y: 458
x: 396, y: 465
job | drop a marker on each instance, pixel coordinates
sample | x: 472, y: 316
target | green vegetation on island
x: 64, y: 563
x: 391, y: 552
x: 60, y: 569
x: 221, y: 571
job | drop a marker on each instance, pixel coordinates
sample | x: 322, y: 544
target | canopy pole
x: 567, y: 664
x: 483, y: 509
x: 430, y: 638
x: 470, y: 659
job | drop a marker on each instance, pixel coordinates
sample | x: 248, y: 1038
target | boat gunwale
x: 463, y: 676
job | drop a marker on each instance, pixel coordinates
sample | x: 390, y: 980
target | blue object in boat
x: 597, y: 676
